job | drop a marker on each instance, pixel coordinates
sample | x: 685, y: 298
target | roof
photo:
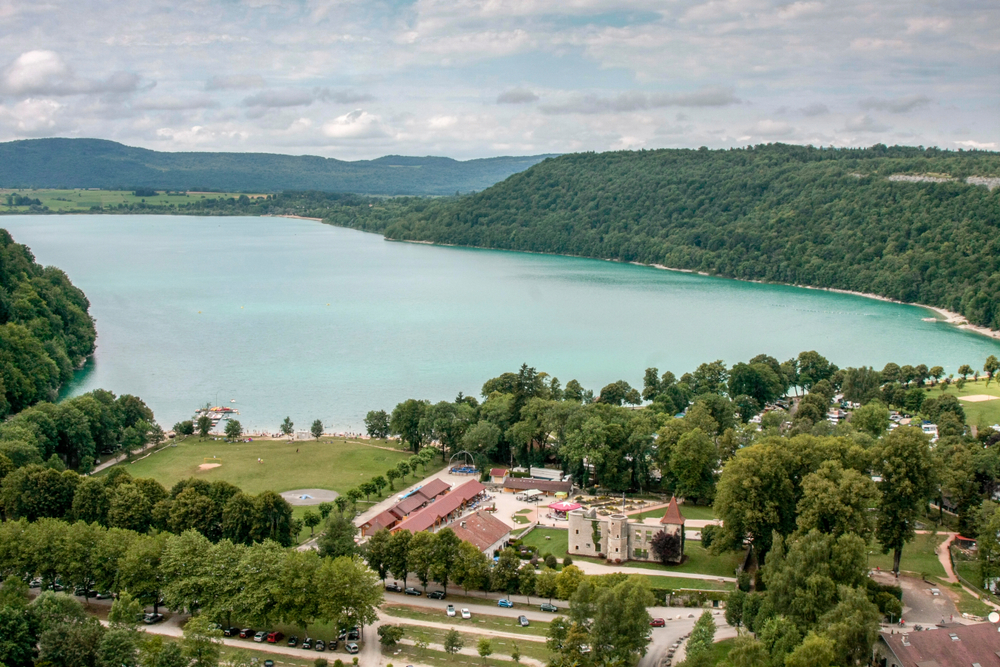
x: 498, y: 472
x: 481, y: 529
x: 526, y: 483
x: 434, y: 488
x: 444, y: 506
x: 409, y: 504
x: 960, y: 645
x: 383, y: 520
x: 673, y: 514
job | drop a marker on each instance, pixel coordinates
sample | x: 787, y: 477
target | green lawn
x: 335, y: 464
x: 918, y: 556
x: 404, y: 654
x: 556, y: 544
x: 720, y: 650
x: 501, y: 645
x: 81, y: 200
x: 697, y: 512
x: 985, y: 413
x: 477, y: 622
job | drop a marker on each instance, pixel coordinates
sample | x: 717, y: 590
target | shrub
x: 708, y: 535
x: 551, y: 562
x: 320, y: 662
x: 567, y: 561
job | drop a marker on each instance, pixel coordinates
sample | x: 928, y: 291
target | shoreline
x: 946, y: 316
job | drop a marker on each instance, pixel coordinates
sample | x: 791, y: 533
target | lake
x: 294, y: 317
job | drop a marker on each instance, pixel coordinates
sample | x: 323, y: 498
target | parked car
x: 231, y: 632
x: 547, y: 606
x: 307, y: 644
x: 657, y: 623
x: 523, y: 620
x: 394, y: 588
x: 504, y: 602
x: 450, y: 610
x: 353, y: 635
x: 269, y: 663
x: 246, y: 633
x: 275, y: 637
x: 351, y: 647
x: 320, y: 645
x: 260, y: 636
x: 436, y: 595
x: 81, y: 591
x: 333, y: 644
x: 35, y: 583
x: 293, y: 641
x: 106, y: 595
x: 412, y: 591
x: 151, y: 618
x: 466, y: 614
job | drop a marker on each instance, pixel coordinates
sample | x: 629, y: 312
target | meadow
x: 979, y: 413
x: 336, y: 464
x: 80, y: 201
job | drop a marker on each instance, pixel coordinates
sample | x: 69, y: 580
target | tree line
x: 778, y: 213
x: 45, y: 328
x: 218, y: 510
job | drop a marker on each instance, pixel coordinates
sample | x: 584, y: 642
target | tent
x: 564, y: 506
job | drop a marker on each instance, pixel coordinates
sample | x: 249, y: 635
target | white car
x: 450, y: 610
x: 466, y: 614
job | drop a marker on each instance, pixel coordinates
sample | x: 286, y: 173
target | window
x: 578, y: 532
x: 578, y: 547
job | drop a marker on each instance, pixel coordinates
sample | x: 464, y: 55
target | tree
x: 526, y: 579
x: 759, y: 381
x: 311, y: 520
x: 837, y: 501
x: 871, y: 418
x: 204, y: 425
x: 444, y: 556
x: 234, y: 430
x: 119, y: 647
x: 324, y: 510
x: 130, y: 509
x: 692, y: 463
x: 272, y: 519
x: 91, y: 502
x: 989, y: 544
x: 316, y: 429
x: 380, y: 483
x: 389, y: 635
x: 368, y: 488
x: 991, y: 366
x: 125, y: 612
x: 853, y: 625
x: 202, y: 643
x: 154, y: 652
x: 398, y: 554
x: 421, y: 556
x: 965, y: 370
x: 814, y: 650
x: 287, y: 426
x: 620, y: 629
x: 405, y: 422
x: 904, y: 461
x: 485, y: 648
x: 567, y: 580
x: 545, y: 585
x: 505, y: 572
x: 377, y: 424
x: 377, y: 552
x: 338, y: 538
x: 392, y: 474
x: 472, y: 568
x: 667, y: 547
x: 297, y: 601
x: 404, y: 468
x: 702, y: 636
x: 453, y: 642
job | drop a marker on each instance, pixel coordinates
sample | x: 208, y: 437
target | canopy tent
x: 564, y: 506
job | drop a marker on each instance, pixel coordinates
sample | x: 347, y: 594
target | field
x: 698, y: 560
x: 696, y: 512
x: 335, y: 464
x: 69, y: 201
x: 477, y: 622
x: 918, y: 556
x: 979, y: 413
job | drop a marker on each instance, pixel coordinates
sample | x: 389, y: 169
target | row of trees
x: 217, y: 510
x: 256, y: 584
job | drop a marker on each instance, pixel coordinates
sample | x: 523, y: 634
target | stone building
x: 617, y: 538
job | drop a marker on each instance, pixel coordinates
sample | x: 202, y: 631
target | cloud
x: 895, y: 105
x: 357, y: 124
x: 797, y: 9
x: 635, y: 101
x: 296, y: 97
x: 937, y: 24
x: 46, y: 73
x: 815, y: 109
x: 235, y: 82
x: 516, y: 96
x: 771, y: 128
x: 979, y: 145
x: 32, y: 117
x: 169, y: 103
x: 865, y: 123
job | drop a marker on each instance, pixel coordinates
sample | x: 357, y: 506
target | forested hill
x: 900, y: 222
x: 95, y: 163
x: 45, y: 329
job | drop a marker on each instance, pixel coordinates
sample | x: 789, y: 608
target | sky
x: 479, y: 78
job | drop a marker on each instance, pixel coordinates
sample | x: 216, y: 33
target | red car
x: 275, y: 637
x: 657, y: 623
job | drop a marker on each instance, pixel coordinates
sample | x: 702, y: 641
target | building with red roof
x: 420, y: 498
x: 488, y: 533
x: 447, y: 508
x: 958, y: 646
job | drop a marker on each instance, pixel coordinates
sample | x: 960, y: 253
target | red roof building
x: 958, y: 646
x: 448, y: 507
x: 488, y: 533
x: 673, y: 516
x: 426, y: 494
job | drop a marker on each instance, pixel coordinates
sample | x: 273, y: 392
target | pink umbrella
x: 564, y: 506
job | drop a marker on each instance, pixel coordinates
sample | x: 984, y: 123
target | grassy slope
x: 918, y: 556
x: 335, y: 464
x: 696, y: 512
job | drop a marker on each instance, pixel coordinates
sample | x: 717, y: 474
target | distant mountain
x: 96, y: 163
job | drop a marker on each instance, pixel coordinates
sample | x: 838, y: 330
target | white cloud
x: 979, y: 145
x: 32, y: 117
x: 865, y: 123
x: 357, y: 124
x: 770, y: 128
x: 235, y: 82
x: 815, y: 109
x: 636, y: 101
x: 936, y: 24
x: 895, y: 104
x: 517, y: 96
x: 46, y: 73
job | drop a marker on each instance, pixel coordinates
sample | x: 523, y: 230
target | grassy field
x: 918, y: 556
x: 68, y: 201
x: 404, y: 654
x: 696, y: 512
x: 334, y: 464
x: 502, y: 645
x: 477, y: 622
x: 720, y: 650
x: 698, y: 560
x: 985, y: 413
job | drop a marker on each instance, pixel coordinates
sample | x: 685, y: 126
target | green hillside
x: 94, y: 163
x: 777, y: 213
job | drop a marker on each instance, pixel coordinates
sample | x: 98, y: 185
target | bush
x: 320, y: 662
x: 567, y: 561
x: 338, y: 663
x: 551, y: 562
x: 708, y: 535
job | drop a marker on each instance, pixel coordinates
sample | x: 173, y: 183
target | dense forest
x: 45, y: 329
x: 95, y: 163
x: 895, y: 221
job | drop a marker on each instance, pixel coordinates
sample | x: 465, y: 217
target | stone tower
x: 617, y: 538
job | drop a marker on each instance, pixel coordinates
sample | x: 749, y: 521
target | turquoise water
x: 293, y: 317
